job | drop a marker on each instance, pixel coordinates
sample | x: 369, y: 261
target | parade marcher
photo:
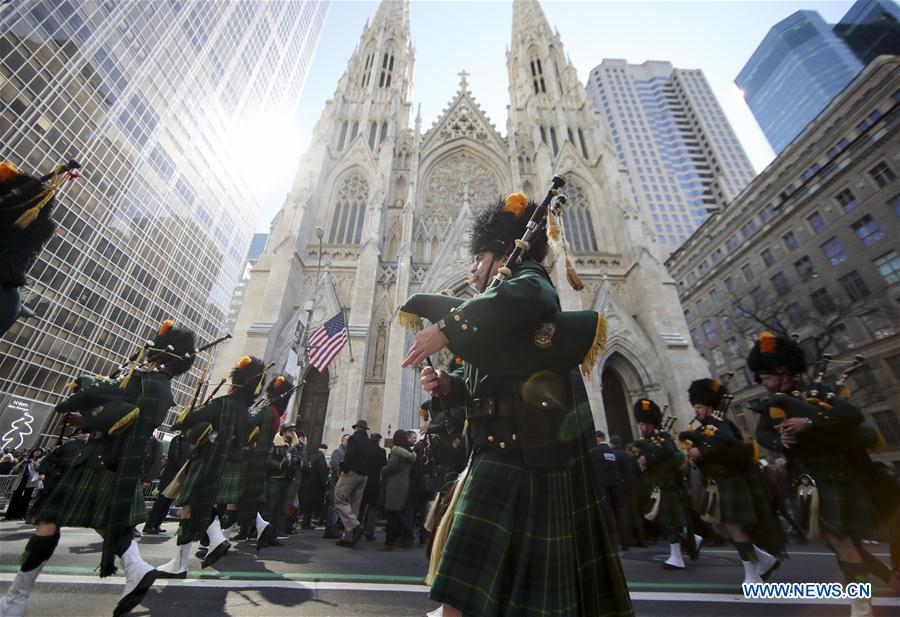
x: 351, y: 484
x: 738, y: 507
x: 176, y: 457
x: 212, y: 474
x: 819, y: 434
x: 54, y: 466
x: 662, y: 463
x: 265, y: 421
x: 102, y: 489
x: 528, y: 530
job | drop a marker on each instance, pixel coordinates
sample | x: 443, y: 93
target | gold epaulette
x: 124, y: 421
x: 598, y: 346
x: 777, y: 413
x: 409, y: 321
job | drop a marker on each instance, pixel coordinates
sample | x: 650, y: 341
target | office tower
x: 147, y: 96
x: 871, y: 28
x: 669, y: 132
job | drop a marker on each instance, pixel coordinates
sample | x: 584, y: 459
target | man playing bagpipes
x: 735, y: 502
x: 527, y: 530
x: 662, y: 463
x: 825, y: 441
x: 102, y: 488
x: 265, y: 418
x: 212, y: 474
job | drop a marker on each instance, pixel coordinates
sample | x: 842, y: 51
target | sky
x: 715, y: 36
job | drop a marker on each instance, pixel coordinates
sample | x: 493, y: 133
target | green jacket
x: 395, y: 478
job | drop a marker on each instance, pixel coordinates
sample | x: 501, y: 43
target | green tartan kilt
x: 511, y: 549
x: 228, y: 482
x: 735, y: 500
x: 671, y: 507
x: 230, y: 486
x: 846, y: 509
x: 82, y: 499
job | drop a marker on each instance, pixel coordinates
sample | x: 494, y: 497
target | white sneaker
x: 861, y: 607
x: 675, y: 560
x: 766, y: 563
x: 438, y: 612
x: 177, y: 567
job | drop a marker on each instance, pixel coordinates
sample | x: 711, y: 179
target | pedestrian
x: 370, y: 503
x: 281, y: 469
x: 628, y: 521
x: 313, y: 500
x: 395, y: 476
x: 102, y: 490
x: 528, y: 529
x: 176, y: 457
x: 29, y: 480
x: 612, y: 481
x: 348, y: 492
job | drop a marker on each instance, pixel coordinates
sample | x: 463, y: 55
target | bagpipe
x: 578, y: 337
x: 23, y: 197
x: 690, y: 437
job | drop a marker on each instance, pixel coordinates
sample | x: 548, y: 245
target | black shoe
x: 768, y: 573
x: 201, y: 552
x: 216, y: 554
x: 151, y: 531
x: 330, y: 535
x: 137, y: 594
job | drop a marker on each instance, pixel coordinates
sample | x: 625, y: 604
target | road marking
x: 790, y: 553
x: 642, y: 596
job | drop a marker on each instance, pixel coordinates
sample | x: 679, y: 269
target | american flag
x: 325, y: 343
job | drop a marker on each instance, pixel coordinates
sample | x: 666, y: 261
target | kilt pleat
x: 671, y: 507
x: 83, y: 499
x: 845, y: 508
x: 229, y: 484
x: 735, y: 500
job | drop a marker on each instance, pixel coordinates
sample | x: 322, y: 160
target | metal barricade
x: 7, y: 484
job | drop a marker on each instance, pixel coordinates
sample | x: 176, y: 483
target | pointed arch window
x: 383, y: 132
x: 349, y: 210
x: 537, y: 76
x: 355, y: 130
x: 373, y: 133
x: 343, y: 138
x: 367, y: 71
x: 584, y: 149
x: 553, y: 142
x: 387, y: 69
x: 579, y: 224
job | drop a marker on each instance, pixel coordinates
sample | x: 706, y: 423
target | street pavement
x: 311, y: 576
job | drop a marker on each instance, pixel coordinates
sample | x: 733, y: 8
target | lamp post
x: 309, y: 307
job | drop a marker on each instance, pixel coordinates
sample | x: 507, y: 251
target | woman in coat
x: 395, y: 479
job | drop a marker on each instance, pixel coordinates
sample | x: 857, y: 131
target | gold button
x: 514, y: 437
x: 502, y: 444
x: 456, y: 317
x: 491, y: 438
x: 545, y: 404
x: 465, y: 326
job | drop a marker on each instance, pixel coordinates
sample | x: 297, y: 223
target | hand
x: 428, y: 341
x: 794, y: 425
x: 423, y: 429
x: 694, y: 455
x: 435, y: 383
x: 74, y: 419
x: 642, y: 462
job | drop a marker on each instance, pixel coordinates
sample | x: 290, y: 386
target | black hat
x: 173, y: 347
x: 278, y: 388
x: 773, y: 355
x: 647, y: 411
x: 247, y: 377
x: 361, y: 424
x: 707, y: 392
x: 499, y: 225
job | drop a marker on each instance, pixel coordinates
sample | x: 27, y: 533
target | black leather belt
x: 490, y: 408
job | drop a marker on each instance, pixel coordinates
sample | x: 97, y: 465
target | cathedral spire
x: 392, y: 13
x: 528, y: 18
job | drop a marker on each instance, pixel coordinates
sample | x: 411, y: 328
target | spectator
x: 396, y: 476
x: 29, y: 479
x: 176, y: 457
x: 7, y: 461
x: 416, y: 500
x: 377, y: 461
x: 351, y: 484
x: 612, y: 480
x: 280, y: 472
x: 55, y: 465
x: 628, y: 520
x: 301, y: 463
x: 315, y: 488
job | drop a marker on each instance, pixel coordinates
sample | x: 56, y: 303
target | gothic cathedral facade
x: 392, y: 203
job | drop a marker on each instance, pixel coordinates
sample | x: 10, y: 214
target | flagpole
x: 347, y: 330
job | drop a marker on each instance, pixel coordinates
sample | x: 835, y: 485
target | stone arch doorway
x: 313, y: 405
x: 616, y: 406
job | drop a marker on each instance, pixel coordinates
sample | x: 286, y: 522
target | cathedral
x: 379, y: 210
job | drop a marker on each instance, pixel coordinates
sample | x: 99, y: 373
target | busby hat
x: 707, y: 392
x: 772, y: 355
x: 499, y: 225
x: 278, y: 388
x: 647, y: 411
x: 246, y: 377
x: 173, y: 347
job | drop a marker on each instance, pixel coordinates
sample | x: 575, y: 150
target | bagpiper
x: 821, y: 436
x: 527, y: 529
x: 663, y: 463
x: 102, y: 488
x: 212, y: 474
x: 735, y: 502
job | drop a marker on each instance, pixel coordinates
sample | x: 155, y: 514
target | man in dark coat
x: 377, y: 460
x: 351, y: 484
x: 313, y: 500
x: 176, y: 457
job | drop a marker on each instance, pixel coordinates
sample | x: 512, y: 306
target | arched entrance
x: 615, y: 402
x: 313, y: 404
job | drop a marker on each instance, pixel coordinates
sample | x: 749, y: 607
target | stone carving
x: 464, y: 123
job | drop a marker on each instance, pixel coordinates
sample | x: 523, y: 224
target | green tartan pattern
x: 79, y: 500
x: 230, y: 486
x: 845, y: 508
x: 671, y: 506
x: 735, y: 500
x: 195, y: 475
x: 512, y: 548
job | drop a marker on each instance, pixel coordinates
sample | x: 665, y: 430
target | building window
x: 790, y: 240
x: 796, y: 314
x: 854, y: 286
x: 759, y: 297
x: 834, y: 251
x: 822, y: 302
x: 695, y: 338
x: 578, y: 217
x: 724, y: 324
x: 840, y: 336
x: 748, y: 229
x: 584, y: 150
x: 343, y: 135
x: 709, y: 331
x: 887, y: 423
x: 805, y: 268
x: 553, y: 143
x: 767, y: 213
x: 767, y: 257
x: 747, y: 271
x: 387, y: 69
x: 349, y: 211
x: 718, y: 356
x: 882, y: 174
x: 714, y: 296
x: 701, y: 307
x: 781, y: 284
x: 877, y: 325
x: 730, y: 285
x: 868, y: 230
x: 373, y: 134
x: 537, y: 76
x: 847, y: 200
x: 894, y: 203
x: 732, y: 243
x: 734, y: 348
x: 816, y: 222
x: 889, y: 267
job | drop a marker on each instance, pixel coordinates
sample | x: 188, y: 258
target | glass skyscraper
x: 683, y: 158
x: 871, y: 28
x: 148, y: 97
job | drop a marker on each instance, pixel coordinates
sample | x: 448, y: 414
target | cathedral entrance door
x: 313, y: 404
x: 615, y: 402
